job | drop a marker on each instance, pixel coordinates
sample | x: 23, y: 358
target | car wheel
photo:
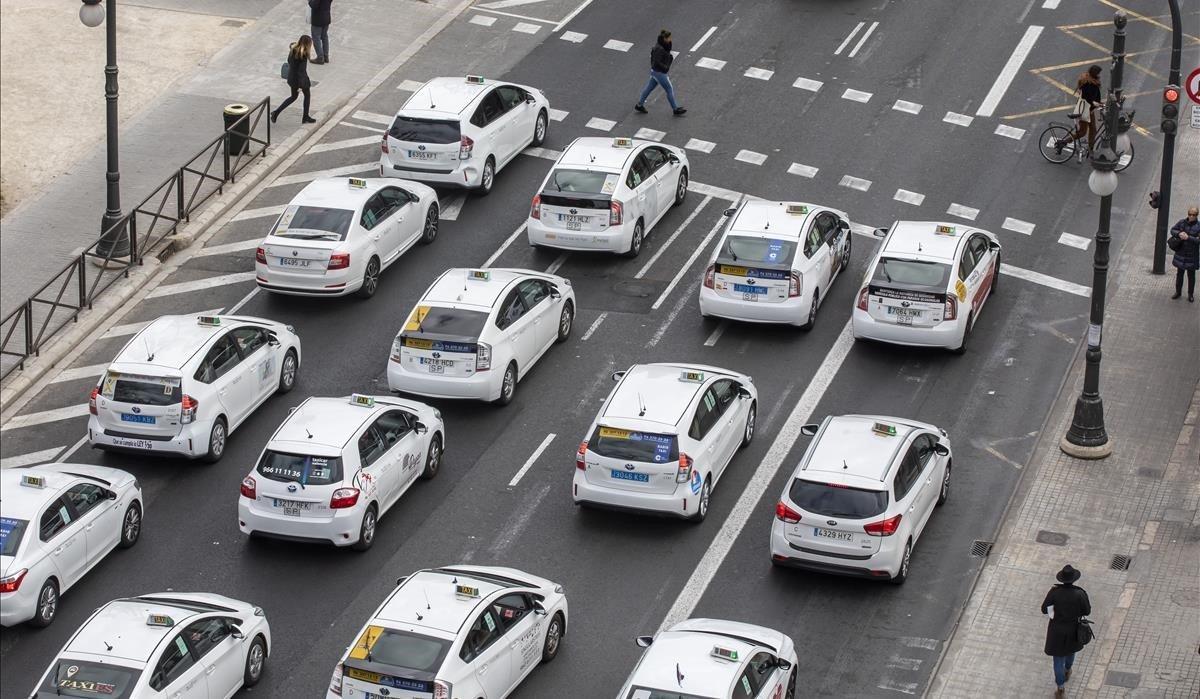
x: 256, y: 662
x: 554, y: 634
x: 430, y: 231
x: 812, y: 311
x: 902, y: 575
x: 47, y: 605
x: 370, y: 281
x: 681, y: 187
x: 791, y: 685
x: 539, y: 129
x: 564, y: 321
x: 508, y: 385
x: 944, y: 493
x: 216, y: 441
x: 962, y: 346
x: 702, y: 502
x: 131, y: 525
x: 366, y: 532
x: 433, y: 460
x: 846, y: 252
x: 635, y: 243
x: 748, y: 433
x: 287, y: 372
x: 488, y: 177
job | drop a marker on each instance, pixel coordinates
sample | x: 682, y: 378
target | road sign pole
x: 1168, y: 155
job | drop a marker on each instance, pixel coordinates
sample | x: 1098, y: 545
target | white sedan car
x: 607, y: 194
x: 169, y: 645
x: 336, y: 465
x: 339, y: 233
x: 776, y: 262
x: 475, y: 333
x: 458, y: 632
x: 57, y: 521
x: 709, y: 658
x: 664, y: 437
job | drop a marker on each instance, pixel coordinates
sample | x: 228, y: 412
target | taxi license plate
x: 291, y: 508
x: 431, y: 361
x: 630, y: 476
x: 573, y: 225
x: 832, y: 534
x: 421, y: 155
x: 144, y: 419
x: 750, y: 289
x: 572, y: 218
x: 293, y: 262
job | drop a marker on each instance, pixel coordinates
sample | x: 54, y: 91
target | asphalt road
x: 625, y: 574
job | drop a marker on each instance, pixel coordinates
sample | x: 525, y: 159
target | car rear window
x: 416, y: 130
x: 837, y: 500
x: 142, y: 390
x: 647, y: 693
x: 740, y: 248
x: 933, y: 275
x: 402, y: 649
x: 439, y: 320
x: 11, y: 531
x: 631, y: 445
x: 582, y: 181
x: 300, y: 468
x: 77, y: 678
x: 314, y: 223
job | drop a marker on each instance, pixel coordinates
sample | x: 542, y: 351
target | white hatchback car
x: 462, y: 131
x: 336, y: 465
x: 337, y: 235
x: 775, y: 262
x: 927, y: 285
x: 168, y: 645
x: 607, y: 194
x: 57, y: 521
x: 184, y: 383
x: 861, y: 496
x: 460, y: 631
x: 708, y: 658
x: 664, y: 437
x: 475, y: 333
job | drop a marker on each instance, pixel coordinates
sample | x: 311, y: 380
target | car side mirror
x: 879, y: 232
x: 421, y: 428
x: 810, y: 430
x: 673, y: 158
x: 400, y: 580
x: 644, y: 641
x: 272, y: 340
x: 743, y: 392
x: 729, y: 212
x: 783, y: 664
x: 844, y: 225
x: 555, y: 293
x: 539, y: 608
x: 530, y: 99
x: 110, y: 494
x: 993, y: 245
x: 941, y: 449
x: 236, y: 632
x: 616, y: 375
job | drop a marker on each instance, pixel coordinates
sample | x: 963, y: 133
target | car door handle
x: 210, y: 669
x: 88, y: 528
x: 483, y: 668
x: 58, y: 551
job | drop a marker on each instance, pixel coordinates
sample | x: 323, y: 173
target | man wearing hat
x: 1065, y: 604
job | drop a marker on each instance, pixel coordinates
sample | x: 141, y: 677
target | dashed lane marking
x: 347, y: 143
x: 1050, y: 5
x: 714, y: 191
x: 503, y: 246
x: 759, y: 73
x: 1045, y: 280
x: 245, y: 300
x: 557, y: 114
x: 914, y: 198
x: 856, y: 95
x: 716, y: 334
x: 902, y: 687
x: 375, y: 117
x: 704, y: 38
x: 1075, y: 241
x: 594, y: 326
x: 749, y: 156
x: 962, y: 211
x: 557, y: 263
x: 526, y: 28
x: 906, y: 106
x: 483, y: 20
x: 687, y: 265
x: 702, y: 146
x: 1010, y: 132
x: 600, y: 124
x: 849, y: 37
x: 32, y: 458
x: 808, y: 84
x: 958, y: 119
x: 364, y: 127
x: 855, y: 183
x: 228, y: 248
x: 803, y: 170
x: 306, y: 177
x: 532, y: 458
x: 79, y: 372
x: 1009, y: 71
x: 543, y: 153
x: 573, y: 37
x: 615, y: 45
x: 866, y: 35
x: 919, y: 642
x: 650, y: 134
x: 132, y: 328
x: 710, y: 63
x: 261, y: 212
x: 453, y: 206
x: 405, y: 85
x: 200, y: 284
x: 45, y: 416
x: 682, y: 227
x: 1016, y: 225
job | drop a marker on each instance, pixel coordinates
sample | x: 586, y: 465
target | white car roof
x: 341, y: 192
x: 467, y: 286
x: 849, y: 446
x: 922, y: 239
x: 21, y: 501
x: 332, y: 422
x: 660, y: 390
x: 429, y: 599
x: 688, y: 649
x: 776, y: 219
x: 594, y: 153
x: 444, y: 97
x: 170, y: 342
x: 126, y: 625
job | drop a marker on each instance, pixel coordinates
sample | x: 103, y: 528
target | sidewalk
x: 1141, y: 502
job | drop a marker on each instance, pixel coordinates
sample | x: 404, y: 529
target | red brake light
x: 579, y: 462
x: 951, y: 311
x: 685, y: 468
x: 92, y: 400
x: 249, y: 488
x: 335, y: 683
x: 710, y: 276
x: 886, y: 527
x: 189, y: 406
x: 343, y: 497
x: 465, y: 146
x: 786, y: 514
x: 442, y: 689
x: 793, y: 285
x: 260, y: 255
x: 13, y: 582
x: 535, y: 209
x: 384, y: 146
x: 615, y: 211
x: 862, y: 298
x: 339, y: 260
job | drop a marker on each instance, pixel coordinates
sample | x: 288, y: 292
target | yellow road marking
x: 1070, y: 106
x: 1144, y: 18
x: 1129, y: 63
x: 1099, y: 60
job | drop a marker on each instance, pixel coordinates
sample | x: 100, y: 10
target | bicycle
x: 1058, y: 143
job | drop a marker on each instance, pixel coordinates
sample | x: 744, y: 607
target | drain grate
x: 1120, y: 562
x: 1052, y: 538
x: 980, y: 549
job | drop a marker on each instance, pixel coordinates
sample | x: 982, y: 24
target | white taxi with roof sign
x: 927, y: 285
x: 339, y: 233
x: 775, y: 262
x: 664, y: 437
x: 454, y: 633
x: 57, y: 521
x: 710, y: 658
x: 174, y: 645
x: 607, y: 194
x: 184, y: 383
x: 336, y: 465
x: 862, y: 495
x: 476, y: 332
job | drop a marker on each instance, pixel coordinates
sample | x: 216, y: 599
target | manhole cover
x: 1052, y: 538
x: 1146, y: 472
x: 1128, y: 680
x: 1120, y: 562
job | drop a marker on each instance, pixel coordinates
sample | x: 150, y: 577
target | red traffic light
x: 1171, y: 94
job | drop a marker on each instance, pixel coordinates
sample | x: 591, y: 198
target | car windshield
x: 11, y: 531
x: 925, y: 273
x: 740, y: 248
x: 78, y: 678
x: 832, y: 500
x: 141, y: 390
x: 425, y: 130
x: 314, y: 223
x: 631, y: 445
x: 647, y: 693
x: 300, y: 468
x: 402, y: 649
x: 581, y: 181
x: 440, y: 320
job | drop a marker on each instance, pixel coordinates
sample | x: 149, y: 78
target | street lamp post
x: 114, y: 239
x: 1159, y: 262
x: 1086, y: 438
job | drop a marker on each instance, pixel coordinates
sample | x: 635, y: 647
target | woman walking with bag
x: 297, y: 77
x: 1066, y: 604
x: 1185, y: 241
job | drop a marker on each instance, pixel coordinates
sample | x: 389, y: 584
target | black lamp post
x: 114, y: 239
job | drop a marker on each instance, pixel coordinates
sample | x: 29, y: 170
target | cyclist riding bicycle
x: 1090, y: 101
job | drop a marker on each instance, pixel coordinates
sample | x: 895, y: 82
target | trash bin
x: 238, y: 134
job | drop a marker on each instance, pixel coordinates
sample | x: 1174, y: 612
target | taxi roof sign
x: 210, y: 321
x: 33, y: 481
x: 622, y: 142
x: 160, y: 620
x: 725, y: 653
x: 797, y: 209
x: 945, y: 230
x: 691, y: 376
x: 364, y: 401
x: 466, y: 591
x: 479, y: 275
x: 357, y: 182
x: 884, y: 429
x: 475, y: 79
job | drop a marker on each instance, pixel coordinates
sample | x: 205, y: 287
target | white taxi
x: 927, y: 285
x: 775, y: 262
x: 607, y: 194
x: 184, y: 383
x: 339, y: 233
x: 710, y: 658
x: 57, y: 521
x: 456, y: 632
x: 861, y: 496
x: 664, y: 437
x: 336, y: 465
x: 171, y: 645
x: 476, y: 332
x: 462, y: 131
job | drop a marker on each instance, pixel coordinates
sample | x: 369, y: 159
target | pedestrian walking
x: 297, y: 77
x: 660, y: 65
x: 1065, y: 604
x: 322, y: 17
x: 1185, y: 241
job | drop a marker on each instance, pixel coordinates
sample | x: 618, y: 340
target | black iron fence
x: 27, y: 328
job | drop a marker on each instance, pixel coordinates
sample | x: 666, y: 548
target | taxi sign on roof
x: 691, y: 376
x: 210, y: 321
x: 945, y: 230
x: 622, y: 143
x: 884, y: 429
x: 724, y: 653
x: 357, y: 182
x: 797, y: 209
x: 33, y: 481
x: 479, y: 275
x: 364, y: 401
x: 160, y: 620
x: 466, y: 591
x: 475, y: 79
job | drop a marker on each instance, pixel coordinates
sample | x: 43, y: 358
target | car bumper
x: 336, y: 283
x: 20, y: 606
x: 192, y: 440
x: 464, y: 173
x: 946, y: 334
x: 881, y: 565
x: 793, y: 310
x: 484, y: 385
x: 612, y: 239
x: 342, y: 529
x: 680, y: 503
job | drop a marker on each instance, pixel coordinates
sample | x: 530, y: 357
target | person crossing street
x: 660, y: 65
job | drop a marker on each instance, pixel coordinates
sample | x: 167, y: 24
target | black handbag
x: 1173, y: 242
x: 1084, y: 633
x: 283, y: 70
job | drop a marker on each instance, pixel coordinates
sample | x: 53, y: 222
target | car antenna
x: 641, y: 406
x: 107, y: 646
x: 919, y: 247
x: 678, y: 675
x: 845, y: 465
x: 427, y: 604
x: 308, y: 433
x: 149, y: 354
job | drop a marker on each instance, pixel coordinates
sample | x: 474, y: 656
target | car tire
x: 962, y: 346
x: 539, y: 129
x: 370, y: 282
x: 846, y: 252
x: 46, y: 608
x: 433, y: 459
x: 256, y: 662
x: 488, y: 177
x: 944, y: 493
x: 635, y: 241
x: 508, y: 384
x: 812, y: 311
x: 703, y: 501
x: 681, y: 187
x: 131, y: 525
x: 366, y: 530
x: 217, y: 439
x: 565, y: 320
x: 554, y: 634
x: 287, y: 372
x: 430, y: 229
x: 748, y: 432
x: 995, y: 278
x: 902, y: 574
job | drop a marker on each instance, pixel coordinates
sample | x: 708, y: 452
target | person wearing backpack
x: 1066, y: 604
x: 297, y: 77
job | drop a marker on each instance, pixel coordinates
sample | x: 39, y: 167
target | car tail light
x: 335, y: 684
x: 188, y: 412
x: 483, y: 356
x: 862, y: 298
x: 13, y: 582
x: 465, y: 146
x: 615, y: 211
x: 793, y: 285
x: 92, y: 400
x: 384, y: 146
x: 397, y: 345
x: 786, y: 514
x: 886, y: 527
x: 249, y: 488
x: 442, y: 689
x: 260, y: 255
x: 579, y: 455
x: 951, y: 311
x: 535, y: 208
x: 685, y: 468
x: 339, y: 260
x: 710, y: 276
x: 343, y: 498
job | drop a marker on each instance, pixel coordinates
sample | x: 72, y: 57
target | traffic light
x: 1153, y: 200
x: 1170, y: 109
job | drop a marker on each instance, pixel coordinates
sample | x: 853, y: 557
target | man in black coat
x: 660, y: 64
x: 1066, y: 604
x: 321, y: 18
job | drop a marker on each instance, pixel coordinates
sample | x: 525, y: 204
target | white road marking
x: 526, y: 28
x: 686, y: 265
x: 803, y: 170
x: 674, y: 54
x: 650, y: 134
x: 855, y: 183
x: 570, y: 16
x: 618, y: 45
x: 347, y: 143
x: 558, y: 114
x: 733, y: 525
x: 710, y: 63
x: 405, y: 85
x: 372, y: 129
x: 30, y: 459
x: 500, y: 250
x: 505, y: 4
x: 532, y: 458
x: 702, y: 146
x: 759, y: 73
x: 1016, y: 225
x: 682, y: 227
x: 261, y: 212
x: 958, y: 119
x: 849, y: 37
x: 903, y: 687
x: 228, y: 248
x: 1045, y: 280
x: 1075, y: 241
x: 962, y: 211
x: 906, y: 106
x: 674, y: 313
x: 41, y: 418
x: 306, y: 177
x: 573, y: 37
x: 483, y: 20
x: 1050, y: 5
x: 914, y: 198
x: 749, y: 156
x: 716, y: 334
x: 377, y: 118
x: 592, y: 328
x: 558, y: 262
x: 904, y: 664
x: 79, y: 372
x: 1009, y: 71
x: 133, y: 328
x: 1009, y: 132
x: 453, y: 206
x: 863, y: 40
x: 600, y: 124
x: 200, y: 284
x: 245, y: 300
x: 704, y: 38
x: 543, y: 153
x: 714, y: 191
x: 856, y: 95
x: 919, y: 642
x: 808, y: 84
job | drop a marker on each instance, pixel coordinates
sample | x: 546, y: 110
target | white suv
x: 861, y: 496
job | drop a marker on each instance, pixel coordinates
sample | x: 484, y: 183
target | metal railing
x: 27, y: 328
